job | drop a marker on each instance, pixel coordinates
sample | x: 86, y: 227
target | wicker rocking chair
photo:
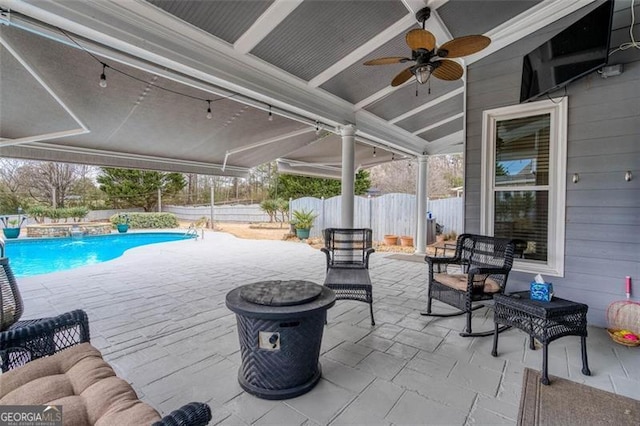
x: 483, y: 265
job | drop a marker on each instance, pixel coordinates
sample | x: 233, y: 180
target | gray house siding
x: 602, y: 241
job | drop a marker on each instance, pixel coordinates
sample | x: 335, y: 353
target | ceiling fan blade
x: 420, y: 39
x: 448, y: 70
x: 389, y: 60
x: 404, y: 75
x: 466, y: 45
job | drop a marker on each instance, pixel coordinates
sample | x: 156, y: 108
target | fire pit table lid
x: 281, y: 293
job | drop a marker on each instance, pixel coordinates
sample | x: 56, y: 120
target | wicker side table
x: 545, y: 321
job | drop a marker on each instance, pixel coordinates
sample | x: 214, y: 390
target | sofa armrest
x: 192, y: 414
x: 41, y: 338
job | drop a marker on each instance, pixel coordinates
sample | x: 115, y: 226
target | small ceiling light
x: 103, y: 77
x: 317, y: 128
x: 374, y: 152
x: 423, y: 73
x: 270, y: 114
x: 209, y: 114
x: 393, y: 156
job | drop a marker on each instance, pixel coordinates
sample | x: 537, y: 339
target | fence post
x: 370, y: 211
x: 323, y: 214
x: 212, y: 196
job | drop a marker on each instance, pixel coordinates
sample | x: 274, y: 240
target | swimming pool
x: 42, y: 256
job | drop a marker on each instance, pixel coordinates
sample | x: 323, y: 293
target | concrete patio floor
x: 158, y: 315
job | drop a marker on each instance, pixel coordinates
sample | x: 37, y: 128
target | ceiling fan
x: 429, y: 59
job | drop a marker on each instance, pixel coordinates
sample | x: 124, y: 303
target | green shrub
x: 77, y: 213
x: 303, y: 219
x: 147, y: 220
x: 38, y: 213
x: 283, y: 208
x: 55, y: 214
x: 270, y: 207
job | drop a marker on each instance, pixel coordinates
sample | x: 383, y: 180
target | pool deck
x: 158, y: 315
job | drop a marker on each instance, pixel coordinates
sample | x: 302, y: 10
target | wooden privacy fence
x: 239, y: 213
x: 388, y: 214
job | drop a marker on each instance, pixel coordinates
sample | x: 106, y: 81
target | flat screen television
x: 573, y: 53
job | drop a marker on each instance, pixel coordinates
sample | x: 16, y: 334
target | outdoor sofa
x: 50, y: 361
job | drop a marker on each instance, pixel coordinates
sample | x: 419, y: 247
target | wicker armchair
x: 25, y: 341
x: 347, y: 252
x: 483, y: 265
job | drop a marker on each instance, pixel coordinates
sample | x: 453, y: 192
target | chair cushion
x: 459, y: 282
x: 83, y: 383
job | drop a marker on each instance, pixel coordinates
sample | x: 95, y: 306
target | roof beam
x: 428, y: 105
x: 439, y: 123
x: 266, y: 23
x: 45, y: 136
x: 353, y: 57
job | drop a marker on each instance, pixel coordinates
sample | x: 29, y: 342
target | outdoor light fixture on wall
x: 628, y: 176
x: 575, y: 178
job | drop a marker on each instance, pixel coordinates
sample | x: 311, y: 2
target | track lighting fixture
x: 103, y: 77
x: 209, y: 115
x: 270, y: 114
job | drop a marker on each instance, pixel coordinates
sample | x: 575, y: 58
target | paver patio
x: 158, y: 315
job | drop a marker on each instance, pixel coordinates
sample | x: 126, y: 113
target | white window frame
x: 558, y: 110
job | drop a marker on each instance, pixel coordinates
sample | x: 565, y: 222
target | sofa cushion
x: 459, y: 282
x: 83, y: 383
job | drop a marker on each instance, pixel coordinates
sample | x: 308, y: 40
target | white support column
x: 421, y: 205
x: 348, y: 174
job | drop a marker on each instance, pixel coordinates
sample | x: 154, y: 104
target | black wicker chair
x: 484, y: 264
x: 25, y: 341
x: 347, y: 251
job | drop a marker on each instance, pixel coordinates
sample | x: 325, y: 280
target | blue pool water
x: 42, y: 256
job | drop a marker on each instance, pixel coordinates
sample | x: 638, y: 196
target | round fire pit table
x: 280, y: 326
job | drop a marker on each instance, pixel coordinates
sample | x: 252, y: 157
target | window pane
x: 522, y: 151
x: 523, y: 215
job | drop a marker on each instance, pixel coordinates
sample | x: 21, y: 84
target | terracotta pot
x: 406, y: 241
x: 391, y: 240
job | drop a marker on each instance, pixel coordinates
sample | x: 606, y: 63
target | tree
x: 444, y: 173
x: 292, y: 186
x: 138, y: 188
x: 10, y: 185
x: 23, y: 183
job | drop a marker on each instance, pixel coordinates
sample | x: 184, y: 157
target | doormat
x: 564, y: 402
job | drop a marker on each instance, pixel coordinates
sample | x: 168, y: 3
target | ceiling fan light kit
x: 429, y: 59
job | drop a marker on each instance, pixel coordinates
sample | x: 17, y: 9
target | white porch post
x: 348, y: 174
x: 421, y: 205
